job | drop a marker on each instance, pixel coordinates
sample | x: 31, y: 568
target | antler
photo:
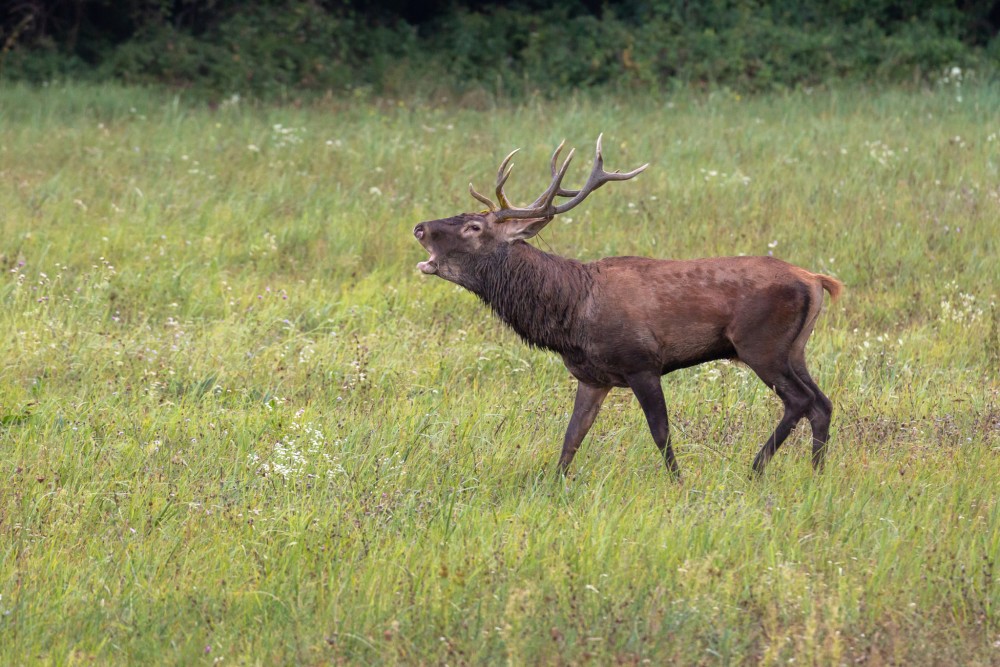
x: 503, y: 173
x: 543, y: 206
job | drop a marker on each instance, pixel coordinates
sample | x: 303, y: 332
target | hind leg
x: 770, y: 360
x: 821, y: 410
x: 818, y: 414
x: 769, y: 333
x: 797, y: 399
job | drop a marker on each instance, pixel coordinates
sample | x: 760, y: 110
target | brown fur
x: 625, y: 321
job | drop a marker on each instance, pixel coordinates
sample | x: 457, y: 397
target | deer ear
x: 518, y: 230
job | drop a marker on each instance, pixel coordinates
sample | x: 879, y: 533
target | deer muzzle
x: 430, y: 266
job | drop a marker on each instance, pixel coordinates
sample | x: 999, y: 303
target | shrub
x: 270, y: 48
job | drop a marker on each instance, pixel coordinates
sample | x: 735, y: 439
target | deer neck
x: 537, y: 294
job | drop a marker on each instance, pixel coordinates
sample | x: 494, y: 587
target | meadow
x: 237, y: 426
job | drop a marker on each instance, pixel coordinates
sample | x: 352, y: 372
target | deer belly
x: 684, y: 351
x: 596, y: 375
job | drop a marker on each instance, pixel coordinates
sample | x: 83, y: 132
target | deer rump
x: 626, y: 321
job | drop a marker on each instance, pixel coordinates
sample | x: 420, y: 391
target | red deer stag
x: 625, y: 321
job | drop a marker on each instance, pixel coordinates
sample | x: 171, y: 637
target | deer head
x: 458, y: 245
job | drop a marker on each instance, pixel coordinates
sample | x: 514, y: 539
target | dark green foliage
x: 271, y: 48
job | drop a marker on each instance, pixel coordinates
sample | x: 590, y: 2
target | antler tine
x: 483, y: 198
x: 503, y: 173
x: 555, y: 187
x: 597, y: 178
x: 543, y: 206
x: 552, y: 167
x: 614, y: 175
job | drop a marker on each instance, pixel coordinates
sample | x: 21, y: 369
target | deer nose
x: 418, y: 231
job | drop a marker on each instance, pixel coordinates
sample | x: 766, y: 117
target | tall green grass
x: 237, y: 426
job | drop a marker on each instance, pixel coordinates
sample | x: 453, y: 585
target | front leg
x: 647, y: 388
x: 585, y: 408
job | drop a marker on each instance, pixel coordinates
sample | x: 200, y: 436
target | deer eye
x: 475, y: 228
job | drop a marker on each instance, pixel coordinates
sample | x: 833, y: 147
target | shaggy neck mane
x: 537, y: 294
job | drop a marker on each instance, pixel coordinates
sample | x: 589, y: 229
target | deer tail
x: 831, y: 285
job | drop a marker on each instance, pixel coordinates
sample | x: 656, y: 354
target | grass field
x: 237, y: 426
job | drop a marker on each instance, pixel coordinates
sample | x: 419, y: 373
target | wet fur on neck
x: 537, y: 294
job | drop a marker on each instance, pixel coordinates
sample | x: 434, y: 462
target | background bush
x: 269, y: 48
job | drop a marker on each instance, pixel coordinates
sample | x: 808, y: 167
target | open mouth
x: 429, y: 267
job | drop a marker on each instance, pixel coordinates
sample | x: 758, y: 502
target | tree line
x: 395, y: 47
